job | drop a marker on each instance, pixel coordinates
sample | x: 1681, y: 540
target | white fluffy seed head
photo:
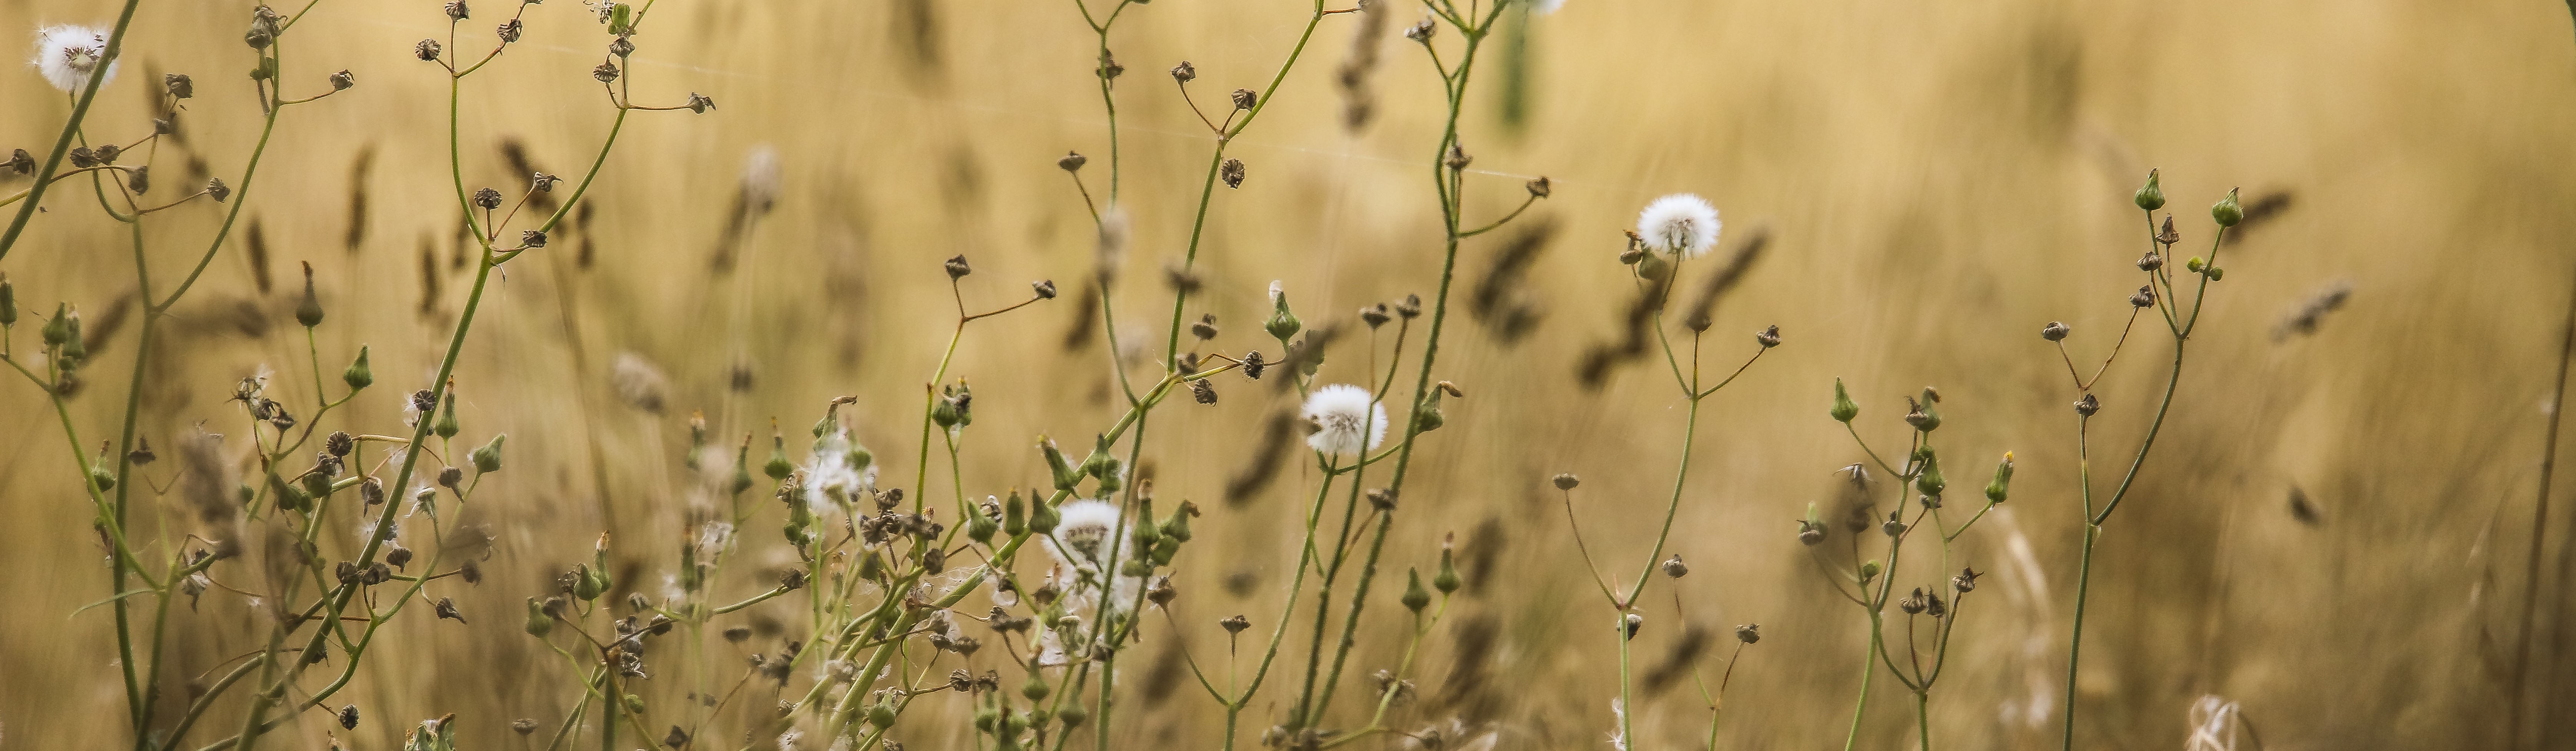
x: 67, y: 55
x: 1084, y: 527
x: 831, y: 473
x: 1347, y: 420
x: 1681, y: 224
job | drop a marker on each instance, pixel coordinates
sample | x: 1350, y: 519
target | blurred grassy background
x: 1940, y: 179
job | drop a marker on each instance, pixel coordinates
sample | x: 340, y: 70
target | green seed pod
x: 539, y: 624
x: 1073, y: 716
x: 2216, y: 273
x: 314, y: 483
x: 2227, y: 211
x: 881, y: 715
x: 987, y: 718
x: 1135, y: 568
x: 2194, y: 265
x: 1997, y: 489
x: 2151, y: 196
x: 1164, y: 549
x: 1144, y: 532
x: 105, y: 480
x: 1015, y: 515
x: 1653, y: 267
x: 1868, y: 570
x: 446, y: 427
x: 1844, y: 410
x: 359, y: 375
x: 293, y: 498
x: 634, y: 704
x: 487, y: 459
x: 1930, y: 481
x: 587, y: 584
x: 1447, y: 580
x: 943, y: 412
x: 1415, y: 597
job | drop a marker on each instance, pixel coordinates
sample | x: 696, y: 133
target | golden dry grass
x: 1939, y: 178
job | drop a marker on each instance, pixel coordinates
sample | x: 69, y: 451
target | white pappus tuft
x: 1544, y: 7
x: 1682, y: 224
x: 1085, y: 528
x: 1347, y: 419
x: 832, y: 479
x: 67, y: 55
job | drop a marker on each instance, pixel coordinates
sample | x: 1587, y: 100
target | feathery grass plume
x: 1368, y: 37
x: 1681, y: 224
x: 2303, y: 320
x: 1509, y: 311
x: 1683, y: 659
x: 359, y: 169
x: 1276, y: 437
x: 1697, y: 317
x: 1635, y: 328
x: 638, y: 383
x: 255, y: 242
x: 2262, y: 209
x: 1347, y: 420
x: 68, y: 55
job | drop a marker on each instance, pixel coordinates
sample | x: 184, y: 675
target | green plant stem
x: 1868, y: 669
x: 1923, y: 717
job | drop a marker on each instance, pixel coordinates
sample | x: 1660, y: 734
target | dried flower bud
x: 349, y: 717
x: 1420, y: 32
x: 487, y: 198
x: 342, y: 80
x: 2054, y: 331
x: 1202, y: 392
x: 1231, y: 172
x: 21, y: 162
x: 1410, y: 308
x: 216, y: 189
x: 1184, y: 73
x: 1628, y: 626
x: 139, y: 180
x: 1382, y: 499
x: 606, y: 72
x: 2168, y: 236
x: 957, y: 266
x: 621, y: 46
x: 700, y: 103
x: 508, y: 32
x: 1045, y: 288
x: 1539, y: 187
x: 1748, y: 633
x: 1244, y: 99
x: 1912, y: 605
x: 1675, y: 568
x: 1966, y: 581
x: 446, y: 609
x: 1205, y: 328
x: 456, y: 10
x: 2088, y: 405
x: 1457, y: 158
x: 450, y: 477
x: 179, y: 86
x: 1567, y: 481
x: 1769, y: 337
x: 83, y: 158
x: 1071, y: 161
x: 426, y: 50
x: 1234, y: 624
x: 1375, y: 315
x: 2146, y: 296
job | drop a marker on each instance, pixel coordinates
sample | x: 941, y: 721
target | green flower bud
x: 741, y: 468
x: 634, y: 704
x: 881, y: 715
x: 1015, y: 515
x: 1282, y: 324
x: 2227, y: 211
x: 1996, y: 490
x: 446, y: 427
x: 2152, y: 196
x: 1036, y: 688
x: 75, y: 346
x: 1844, y: 410
x: 539, y: 623
x: 1415, y: 597
x: 1930, y: 481
x: 986, y: 718
x: 1042, y: 517
x: 105, y: 480
x: 943, y: 412
x: 2194, y: 265
x: 58, y: 329
x: 1164, y: 549
x: 587, y: 584
x: 487, y: 459
x: 1177, y: 528
x: 1447, y: 580
x: 359, y: 375
x: 1073, y: 716
x: 1064, y: 474
x: 2216, y: 273
x: 778, y: 467
x: 309, y: 310
x: 8, y: 302
x: 1868, y: 570
x: 979, y: 526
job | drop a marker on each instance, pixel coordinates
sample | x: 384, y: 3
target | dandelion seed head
x: 1084, y: 527
x: 1682, y: 224
x: 1348, y: 420
x: 67, y: 55
x: 832, y: 479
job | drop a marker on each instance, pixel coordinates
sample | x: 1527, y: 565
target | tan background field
x: 1940, y: 179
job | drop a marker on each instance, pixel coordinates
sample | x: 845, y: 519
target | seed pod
x: 1282, y: 323
x: 1769, y: 337
x: 1447, y: 580
x: 1071, y: 161
x: 487, y: 459
x: 1930, y: 481
x: 2151, y: 196
x: 1244, y: 99
x: 1015, y: 515
x: 1567, y: 481
x: 2227, y: 211
x: 1748, y: 633
x: 446, y: 426
x: 2054, y: 331
x: 539, y: 622
x: 1675, y: 568
x: 778, y: 467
